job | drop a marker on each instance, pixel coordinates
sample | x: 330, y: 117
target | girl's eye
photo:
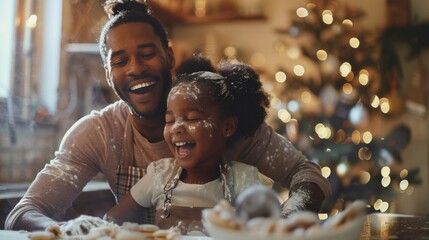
x: 169, y: 119
x: 193, y: 117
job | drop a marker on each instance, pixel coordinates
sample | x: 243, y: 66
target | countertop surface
x: 376, y: 226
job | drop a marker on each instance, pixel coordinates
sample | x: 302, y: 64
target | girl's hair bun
x: 196, y: 63
x: 114, y: 7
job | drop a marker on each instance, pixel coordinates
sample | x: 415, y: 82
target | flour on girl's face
x: 208, y: 124
x: 191, y: 91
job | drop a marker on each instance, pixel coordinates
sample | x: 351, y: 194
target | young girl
x: 206, y: 111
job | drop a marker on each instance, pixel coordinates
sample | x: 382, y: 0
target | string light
x: 327, y: 17
x: 284, y: 115
x: 403, y: 184
x: 348, y: 22
x: 354, y: 42
x: 302, y: 12
x: 363, y: 77
x: 298, y: 70
x: 326, y: 171
x: 322, y: 55
x: 375, y: 101
x: 367, y: 137
x: 280, y: 77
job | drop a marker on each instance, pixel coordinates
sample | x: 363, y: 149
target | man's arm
x: 277, y: 158
x: 59, y: 182
x: 31, y: 221
x: 303, y: 196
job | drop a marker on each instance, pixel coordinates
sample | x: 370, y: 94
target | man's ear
x: 108, y: 75
x: 230, y: 126
x: 171, y: 60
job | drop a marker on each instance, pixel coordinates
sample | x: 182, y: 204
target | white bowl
x: 350, y: 230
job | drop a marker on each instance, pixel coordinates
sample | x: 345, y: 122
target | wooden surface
x: 395, y: 226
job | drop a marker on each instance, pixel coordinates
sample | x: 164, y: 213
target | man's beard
x: 162, y: 106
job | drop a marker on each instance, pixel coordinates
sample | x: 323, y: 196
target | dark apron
x: 127, y: 174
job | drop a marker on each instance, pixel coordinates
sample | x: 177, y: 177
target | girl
x: 206, y: 112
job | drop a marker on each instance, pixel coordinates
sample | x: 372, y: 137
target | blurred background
x: 348, y: 80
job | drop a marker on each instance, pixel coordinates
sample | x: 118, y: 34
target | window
x: 7, y: 31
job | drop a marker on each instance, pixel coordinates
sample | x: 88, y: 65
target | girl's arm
x: 127, y: 210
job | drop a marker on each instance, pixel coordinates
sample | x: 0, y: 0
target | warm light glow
x: 367, y: 137
x: 354, y: 42
x: 306, y: 97
x: 279, y: 46
x: 384, y: 105
x: 345, y: 69
x: 348, y: 22
x: 322, y: 216
x: 350, y: 76
x: 294, y: 52
x: 363, y: 77
x: 364, y: 153
x: 298, y: 70
x: 341, y: 169
x: 284, y: 115
x: 384, y: 206
x: 322, y: 131
x: 375, y: 101
x: 322, y: 55
x: 385, y: 181
x: 356, y: 137
x: 326, y: 172
x: 280, y: 77
x: 403, y: 173
x: 200, y: 8
x: 327, y: 17
x: 276, y: 103
x: 302, y: 12
x: 318, y: 127
x: 31, y: 21
x: 403, y: 184
x: 377, y: 204
x: 347, y: 88
x: 364, y: 177
x: 385, y: 171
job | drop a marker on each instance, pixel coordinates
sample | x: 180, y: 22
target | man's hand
x: 303, y: 196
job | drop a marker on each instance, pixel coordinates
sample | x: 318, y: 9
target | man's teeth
x: 180, y: 144
x: 142, y: 85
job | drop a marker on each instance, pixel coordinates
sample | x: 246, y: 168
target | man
x: 122, y: 139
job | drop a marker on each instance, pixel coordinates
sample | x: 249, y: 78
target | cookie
x: 130, y: 235
x: 355, y: 209
x: 41, y: 235
x: 166, y: 234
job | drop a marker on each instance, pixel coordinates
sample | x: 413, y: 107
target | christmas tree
x: 323, y: 113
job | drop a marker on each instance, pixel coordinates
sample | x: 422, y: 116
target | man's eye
x: 148, y: 55
x: 118, y: 62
